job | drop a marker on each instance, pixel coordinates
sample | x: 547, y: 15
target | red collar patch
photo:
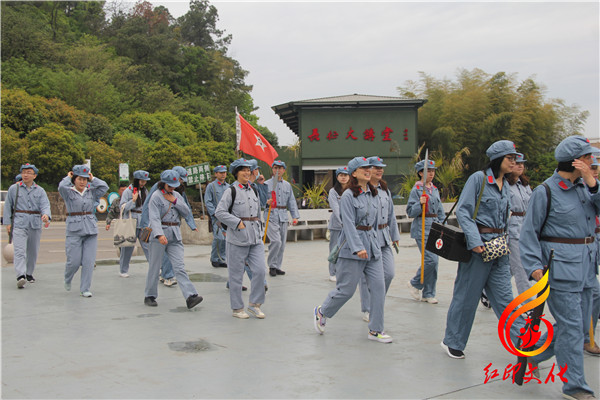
x: 490, y: 179
x: 219, y: 183
x: 241, y: 186
x: 563, y: 185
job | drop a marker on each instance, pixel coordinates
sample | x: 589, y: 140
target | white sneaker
x: 381, y: 337
x: 430, y: 300
x: 169, y: 282
x: 332, y: 278
x: 366, y: 316
x: 241, y: 314
x: 87, y: 293
x: 414, y: 292
x: 124, y: 275
x: 255, y: 310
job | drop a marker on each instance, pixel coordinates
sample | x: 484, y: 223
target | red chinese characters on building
x: 349, y: 135
x: 314, y: 135
x: 368, y: 134
x: 332, y: 135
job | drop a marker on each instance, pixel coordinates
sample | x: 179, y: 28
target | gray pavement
x: 56, y: 344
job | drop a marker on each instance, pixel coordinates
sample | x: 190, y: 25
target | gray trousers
x: 174, y: 250
x: 516, y: 268
x: 237, y: 257
x: 389, y: 271
x: 334, y: 235
x: 218, y: 250
x: 595, y: 313
x: 430, y: 272
x: 81, y: 251
x: 127, y: 252
x: 349, y: 273
x: 572, y: 312
x: 26, y: 242
x: 277, y: 233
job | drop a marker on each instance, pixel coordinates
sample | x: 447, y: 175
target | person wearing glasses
x: 29, y: 205
x: 485, y: 224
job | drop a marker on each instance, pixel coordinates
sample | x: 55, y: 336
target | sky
x: 304, y: 50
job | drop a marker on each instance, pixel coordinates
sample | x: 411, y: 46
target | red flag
x: 250, y: 141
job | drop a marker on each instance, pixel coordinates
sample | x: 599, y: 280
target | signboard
x: 124, y: 172
x: 198, y: 173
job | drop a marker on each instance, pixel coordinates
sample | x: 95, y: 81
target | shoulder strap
x: 549, y: 197
x: 233, y: 194
x: 479, y: 198
x: 450, y: 212
x: 12, y: 217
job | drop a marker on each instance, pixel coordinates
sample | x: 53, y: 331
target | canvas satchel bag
x: 125, y: 230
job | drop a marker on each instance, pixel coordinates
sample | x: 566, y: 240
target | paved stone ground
x: 56, y: 344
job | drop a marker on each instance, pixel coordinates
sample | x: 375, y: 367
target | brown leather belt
x: 281, y: 207
x: 249, y: 218
x: 79, y: 213
x: 586, y: 240
x: 382, y: 226
x: 169, y: 223
x: 485, y: 229
x: 364, y: 227
x: 597, y: 230
x: 518, y: 214
x: 427, y: 215
x: 27, y: 212
x: 136, y: 211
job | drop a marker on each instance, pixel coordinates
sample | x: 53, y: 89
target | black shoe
x: 150, y: 301
x: 280, y: 272
x: 21, y: 281
x: 485, y: 301
x: 215, y: 264
x: 452, y: 353
x: 222, y: 265
x: 244, y: 288
x: 193, y: 301
x: 30, y: 278
x: 272, y: 271
x: 266, y: 288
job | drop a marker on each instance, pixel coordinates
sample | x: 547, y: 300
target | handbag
x: 146, y: 232
x: 125, y: 230
x: 449, y: 242
x: 335, y: 252
x: 495, y: 248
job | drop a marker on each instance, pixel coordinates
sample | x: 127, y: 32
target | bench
x: 310, y: 221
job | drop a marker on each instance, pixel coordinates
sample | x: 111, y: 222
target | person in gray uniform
x: 489, y: 222
x: 80, y: 190
x: 168, y: 276
x: 587, y: 346
x: 165, y: 208
x: 567, y: 228
x: 434, y: 212
x: 335, y: 222
x: 520, y: 192
x: 131, y: 202
x: 282, y: 197
x: 212, y: 196
x: 387, y: 233
x: 360, y: 252
x: 244, y: 240
x: 29, y: 205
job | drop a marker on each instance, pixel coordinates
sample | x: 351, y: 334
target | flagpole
x: 238, y: 133
x: 423, y: 218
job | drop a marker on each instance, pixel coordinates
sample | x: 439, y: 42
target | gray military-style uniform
x: 387, y: 232
x: 31, y: 204
x: 243, y: 245
x: 334, y: 225
x: 519, y: 200
x: 359, y: 218
x: 82, y: 229
x: 212, y: 196
x: 164, y: 219
x: 131, y: 211
x: 279, y: 221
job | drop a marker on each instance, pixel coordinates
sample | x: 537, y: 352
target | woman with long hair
x: 132, y: 201
x: 335, y: 222
x: 360, y: 252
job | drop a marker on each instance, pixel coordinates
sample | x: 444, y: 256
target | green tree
x: 14, y: 154
x: 105, y: 162
x: 199, y: 27
x: 23, y: 112
x: 54, y: 151
x: 134, y: 148
x: 164, y: 155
